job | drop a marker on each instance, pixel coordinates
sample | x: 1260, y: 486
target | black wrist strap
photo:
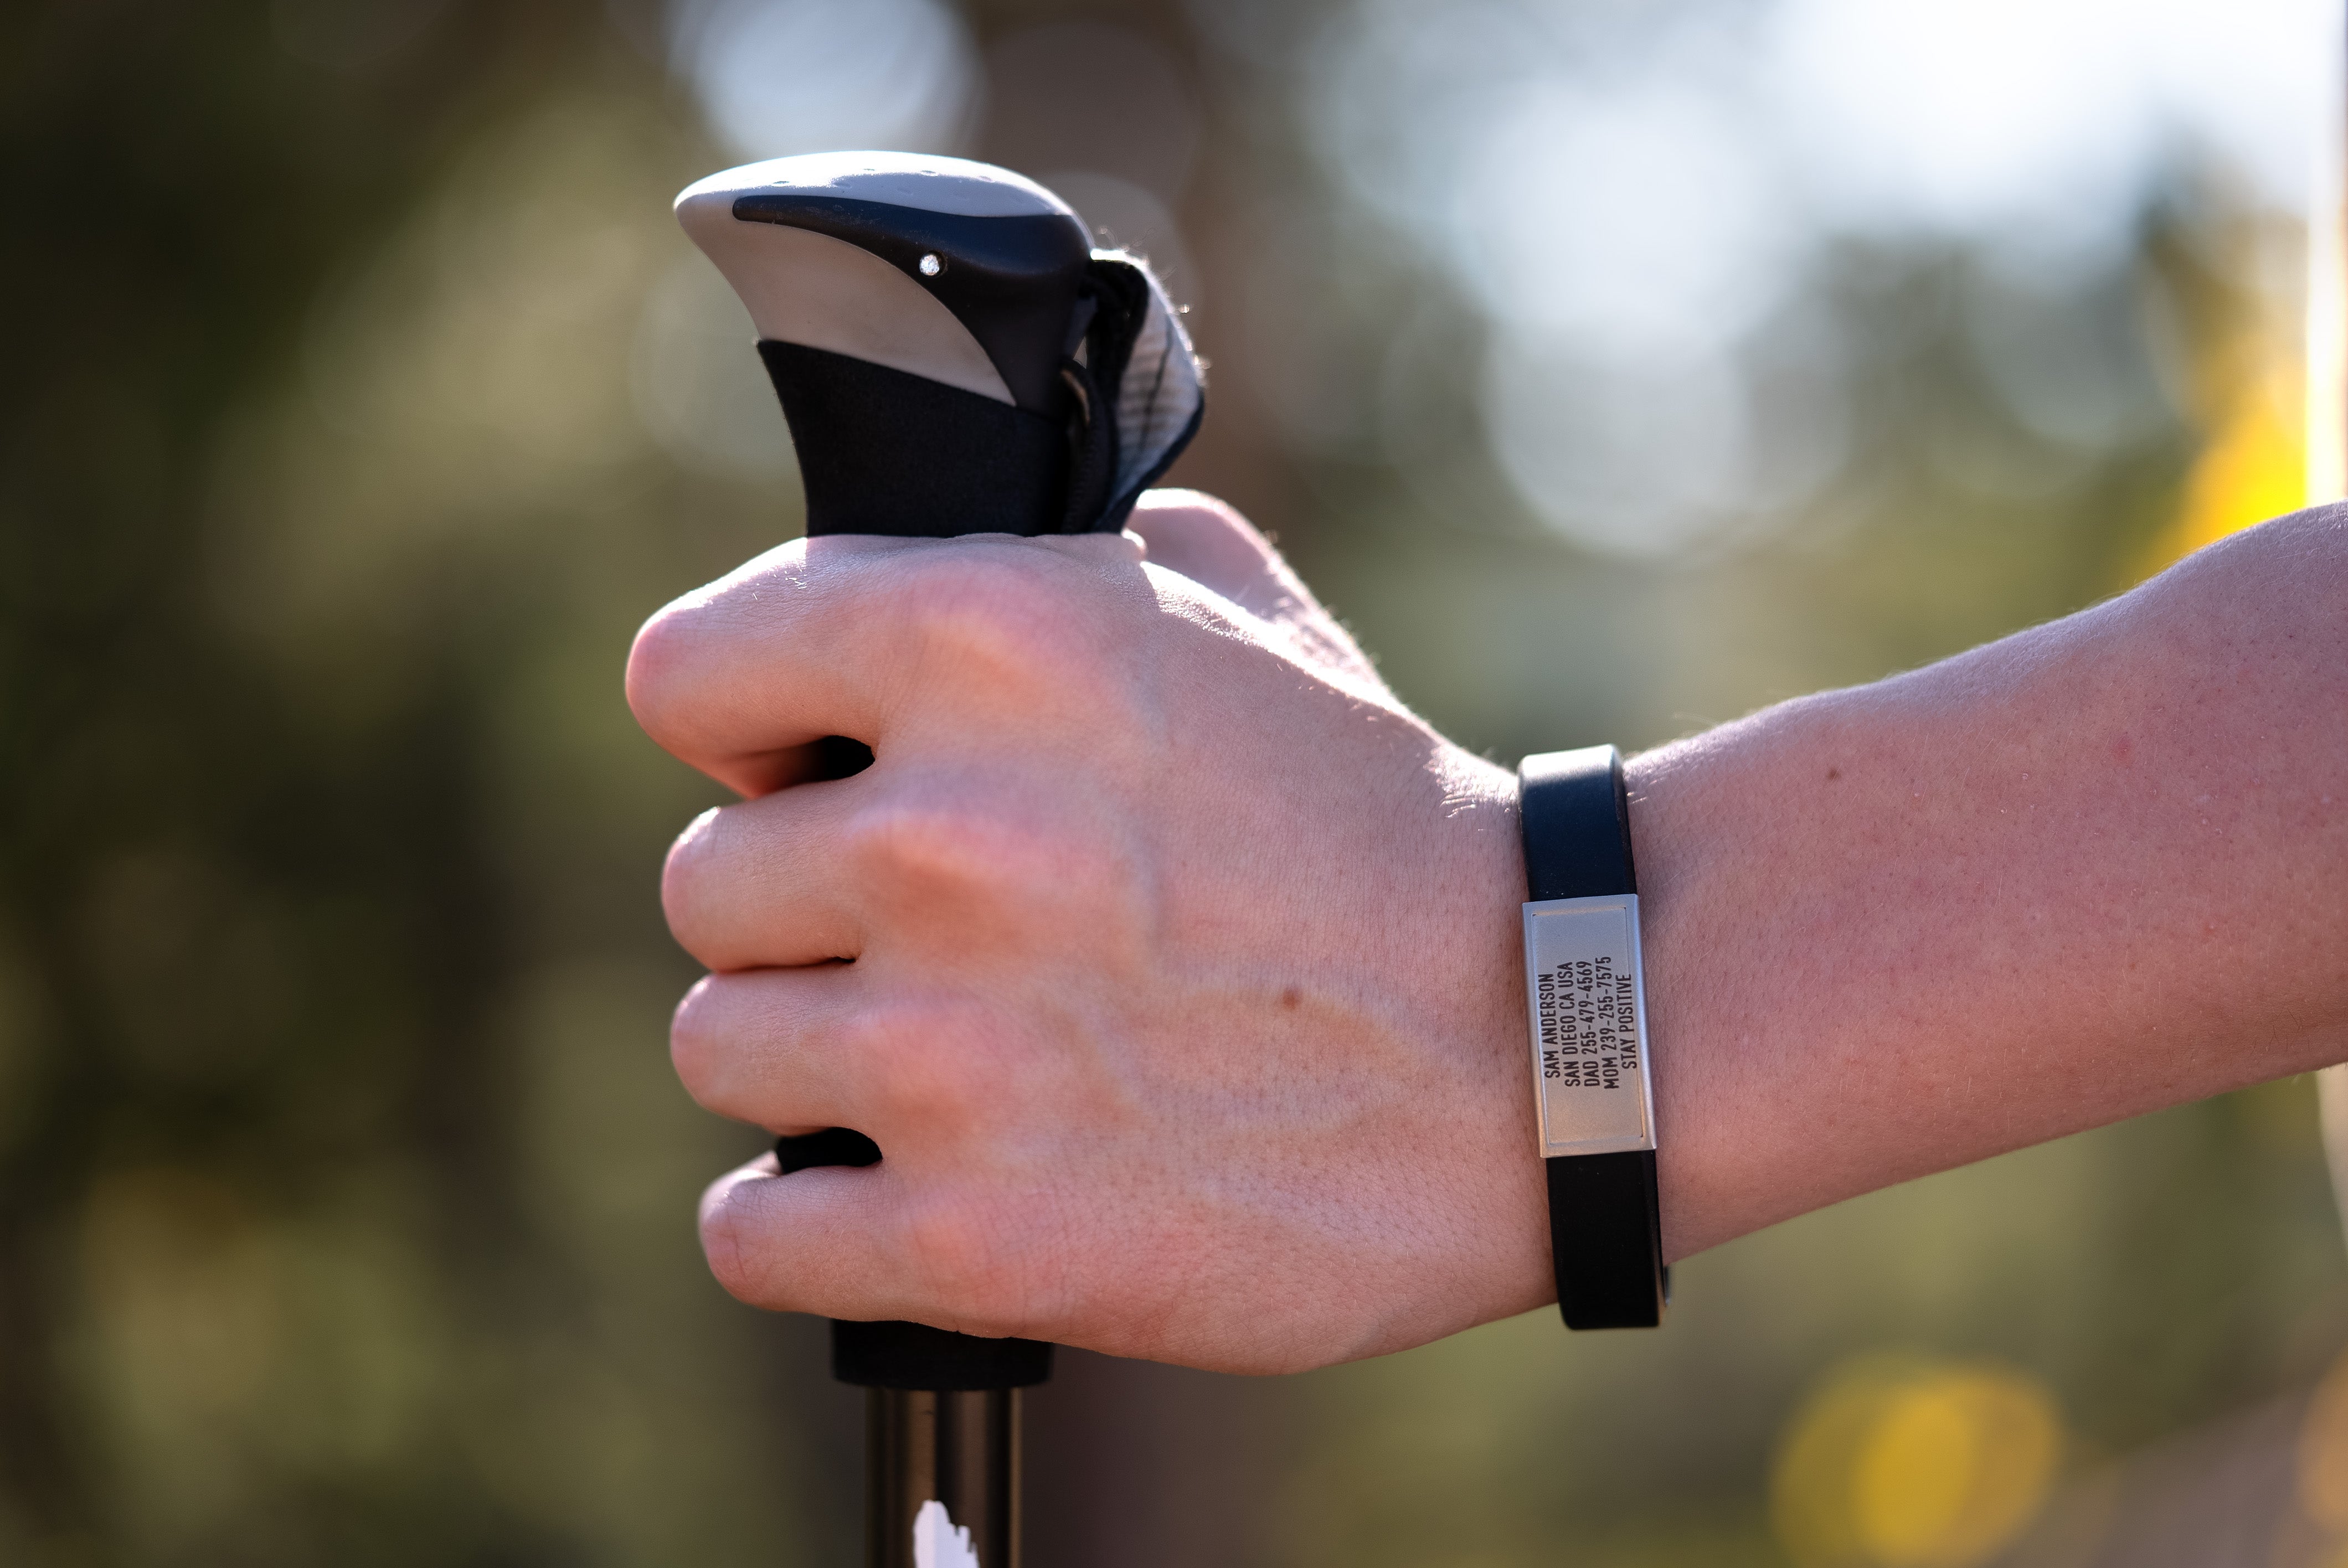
x: 1605, y: 1221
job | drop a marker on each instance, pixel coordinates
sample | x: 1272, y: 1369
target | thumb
x: 1208, y: 542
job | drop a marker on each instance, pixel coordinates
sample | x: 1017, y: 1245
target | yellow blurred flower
x: 1896, y: 1464
x: 2270, y: 405
x: 2253, y: 467
x: 2323, y: 1452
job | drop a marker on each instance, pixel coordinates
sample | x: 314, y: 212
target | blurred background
x: 1612, y: 368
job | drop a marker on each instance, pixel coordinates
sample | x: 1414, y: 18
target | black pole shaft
x: 957, y: 1449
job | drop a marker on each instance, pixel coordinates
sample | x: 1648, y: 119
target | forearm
x: 2092, y: 870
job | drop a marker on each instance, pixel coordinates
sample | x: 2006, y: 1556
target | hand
x: 1170, y: 961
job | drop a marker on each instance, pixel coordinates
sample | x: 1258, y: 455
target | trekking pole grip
x: 951, y: 356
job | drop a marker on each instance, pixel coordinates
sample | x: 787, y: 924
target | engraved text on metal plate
x: 1589, y: 1016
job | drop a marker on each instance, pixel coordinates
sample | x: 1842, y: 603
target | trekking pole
x: 953, y: 357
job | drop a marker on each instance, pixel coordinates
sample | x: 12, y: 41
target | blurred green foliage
x: 344, y: 1194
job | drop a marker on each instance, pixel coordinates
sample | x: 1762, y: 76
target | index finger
x: 738, y: 677
x: 829, y: 637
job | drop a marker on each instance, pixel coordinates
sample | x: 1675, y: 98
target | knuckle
x: 698, y: 1042
x: 684, y: 874
x: 665, y: 648
x: 1018, y: 612
x: 964, y: 1253
x: 935, y: 838
x: 1013, y: 843
x: 691, y: 639
x: 927, y: 1060
x: 884, y: 1034
x: 723, y: 1244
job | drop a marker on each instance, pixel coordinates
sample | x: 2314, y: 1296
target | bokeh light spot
x: 780, y: 77
x: 2323, y: 1457
x: 2254, y: 463
x: 1915, y: 1465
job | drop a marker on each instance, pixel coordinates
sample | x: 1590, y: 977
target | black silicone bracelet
x: 1605, y: 1221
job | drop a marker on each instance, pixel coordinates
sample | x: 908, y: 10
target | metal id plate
x: 1588, y: 1001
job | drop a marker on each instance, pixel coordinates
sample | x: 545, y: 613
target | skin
x: 1175, y: 965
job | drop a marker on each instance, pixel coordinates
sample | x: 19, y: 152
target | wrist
x: 1695, y: 926
x: 1477, y: 1002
